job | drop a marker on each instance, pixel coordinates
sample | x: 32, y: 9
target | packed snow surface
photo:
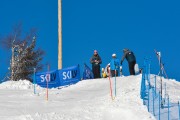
x: 86, y: 100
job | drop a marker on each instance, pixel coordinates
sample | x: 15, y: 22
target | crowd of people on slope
x: 115, y: 66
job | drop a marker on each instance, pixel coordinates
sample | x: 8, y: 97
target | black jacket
x: 95, y: 60
x: 129, y: 55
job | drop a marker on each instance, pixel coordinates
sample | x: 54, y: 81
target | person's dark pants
x: 113, y: 73
x: 131, y: 67
x: 96, y: 71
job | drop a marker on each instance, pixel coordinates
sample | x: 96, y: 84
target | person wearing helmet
x: 130, y: 57
x: 96, y: 61
x: 114, y: 65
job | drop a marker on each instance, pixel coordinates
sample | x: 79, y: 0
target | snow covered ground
x: 86, y: 100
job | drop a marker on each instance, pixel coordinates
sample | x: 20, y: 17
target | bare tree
x: 24, y: 57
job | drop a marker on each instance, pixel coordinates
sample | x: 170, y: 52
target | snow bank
x: 21, y: 84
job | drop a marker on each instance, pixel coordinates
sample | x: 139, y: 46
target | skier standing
x: 96, y: 61
x: 130, y: 57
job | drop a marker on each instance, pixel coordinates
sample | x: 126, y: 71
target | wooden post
x: 59, y: 35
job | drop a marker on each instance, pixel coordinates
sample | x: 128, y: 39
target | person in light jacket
x: 114, y: 65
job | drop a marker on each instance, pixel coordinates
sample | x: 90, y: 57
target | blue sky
x: 108, y: 26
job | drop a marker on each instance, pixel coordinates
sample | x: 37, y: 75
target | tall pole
x: 59, y: 35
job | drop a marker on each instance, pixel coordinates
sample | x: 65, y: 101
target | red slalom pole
x: 110, y: 85
x: 110, y: 88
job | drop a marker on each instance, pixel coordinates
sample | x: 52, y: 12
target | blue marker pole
x: 34, y: 81
x: 159, y: 105
x: 115, y: 83
x: 148, y: 97
x: 153, y: 102
x: 168, y: 109
x: 48, y: 79
x: 165, y: 89
x: 179, y: 109
x: 149, y: 85
x: 155, y: 85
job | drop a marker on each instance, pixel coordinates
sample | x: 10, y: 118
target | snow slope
x: 86, y: 100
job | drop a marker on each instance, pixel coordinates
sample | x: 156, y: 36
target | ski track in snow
x: 86, y: 100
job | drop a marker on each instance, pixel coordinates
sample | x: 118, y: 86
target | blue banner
x: 69, y: 75
x: 58, y: 78
x: 87, y: 74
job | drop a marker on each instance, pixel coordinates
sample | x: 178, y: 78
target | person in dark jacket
x: 96, y: 61
x: 114, y: 65
x: 130, y: 57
